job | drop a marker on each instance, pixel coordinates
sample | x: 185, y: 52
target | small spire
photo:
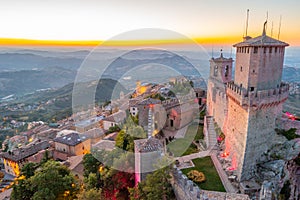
x: 221, y: 53
x: 264, y: 30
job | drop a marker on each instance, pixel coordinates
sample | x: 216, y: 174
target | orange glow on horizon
x: 226, y: 40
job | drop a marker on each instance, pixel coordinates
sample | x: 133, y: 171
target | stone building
x: 246, y: 107
x: 147, y: 152
x: 16, y: 159
x: 73, y: 144
x: 115, y: 119
x: 143, y: 108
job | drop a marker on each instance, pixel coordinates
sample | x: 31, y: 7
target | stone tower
x: 220, y: 75
x: 255, y: 99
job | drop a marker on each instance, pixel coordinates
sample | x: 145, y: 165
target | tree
x: 50, y: 181
x: 125, y: 141
x: 91, y: 164
x: 91, y: 194
x: 21, y: 190
x: 155, y: 186
x: 28, y: 169
x: 91, y: 181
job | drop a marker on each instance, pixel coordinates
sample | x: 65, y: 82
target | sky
x: 208, y: 21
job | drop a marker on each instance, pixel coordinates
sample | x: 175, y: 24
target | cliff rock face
x: 275, y: 164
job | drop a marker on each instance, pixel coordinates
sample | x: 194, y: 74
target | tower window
x: 216, y: 71
x: 251, y: 89
x: 255, y: 50
x: 226, y: 71
x: 241, y: 68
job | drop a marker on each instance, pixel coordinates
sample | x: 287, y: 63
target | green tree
x: 91, y: 194
x: 91, y: 164
x: 155, y: 186
x: 125, y: 141
x: 21, y: 190
x: 28, y: 169
x: 91, y: 181
x: 53, y: 181
x: 50, y: 181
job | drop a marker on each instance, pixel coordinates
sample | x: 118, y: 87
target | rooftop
x: 71, y: 139
x: 106, y: 145
x: 221, y: 59
x: 262, y: 40
x: 150, y: 101
x: 116, y: 117
x: 25, y: 152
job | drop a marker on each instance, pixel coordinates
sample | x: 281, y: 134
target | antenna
x: 247, y: 20
x: 272, y: 29
x: 267, y: 17
x: 279, y: 26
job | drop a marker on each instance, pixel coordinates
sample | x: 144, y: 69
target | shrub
x: 196, y: 176
x: 288, y: 134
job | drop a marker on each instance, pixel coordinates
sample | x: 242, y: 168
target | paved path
x: 200, y: 154
x: 226, y: 183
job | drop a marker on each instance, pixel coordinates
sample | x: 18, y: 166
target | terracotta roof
x: 25, y: 152
x: 262, y: 40
x: 71, y: 139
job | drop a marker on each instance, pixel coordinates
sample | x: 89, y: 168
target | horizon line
x: 115, y: 43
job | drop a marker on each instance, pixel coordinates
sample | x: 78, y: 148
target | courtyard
x: 205, y: 165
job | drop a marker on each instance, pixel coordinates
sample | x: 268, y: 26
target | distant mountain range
x: 291, y: 74
x: 27, y: 81
x: 24, y: 71
x: 57, y: 103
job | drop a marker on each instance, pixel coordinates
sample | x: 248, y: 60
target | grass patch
x: 192, y: 149
x: 184, y: 146
x: 213, y: 181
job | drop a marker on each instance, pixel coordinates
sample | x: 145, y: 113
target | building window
x: 255, y: 50
x: 248, y: 49
x: 216, y: 71
x: 265, y: 49
x: 133, y: 108
x: 226, y: 70
x: 270, y: 50
x: 275, y: 49
x: 253, y: 71
x: 82, y: 147
x: 133, y: 113
x: 251, y: 89
x: 241, y: 68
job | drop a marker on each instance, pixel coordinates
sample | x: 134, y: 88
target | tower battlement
x: 258, y: 99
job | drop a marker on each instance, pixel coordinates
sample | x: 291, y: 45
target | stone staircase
x: 211, y: 133
x: 150, y: 123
